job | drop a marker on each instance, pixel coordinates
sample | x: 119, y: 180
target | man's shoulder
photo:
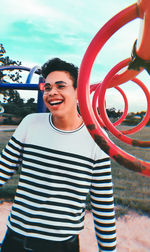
x: 36, y: 116
x: 33, y: 119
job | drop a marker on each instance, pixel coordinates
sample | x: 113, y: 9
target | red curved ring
x: 96, y: 88
x: 88, y: 116
x: 94, y: 105
x: 147, y: 115
x: 105, y: 118
x: 101, y: 120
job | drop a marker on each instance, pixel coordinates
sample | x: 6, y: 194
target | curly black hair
x: 57, y: 64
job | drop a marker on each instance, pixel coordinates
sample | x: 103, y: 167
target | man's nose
x: 53, y: 91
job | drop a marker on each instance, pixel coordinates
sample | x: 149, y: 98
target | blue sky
x: 33, y: 31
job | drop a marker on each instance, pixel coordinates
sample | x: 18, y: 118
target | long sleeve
x: 10, y: 160
x: 102, y: 202
x: 11, y: 156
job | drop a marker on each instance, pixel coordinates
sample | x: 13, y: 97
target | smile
x: 52, y: 103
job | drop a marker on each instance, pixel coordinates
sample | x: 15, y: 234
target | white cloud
x: 33, y: 12
x: 28, y: 9
x: 86, y: 16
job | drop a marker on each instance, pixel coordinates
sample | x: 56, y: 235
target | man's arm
x: 102, y: 202
x: 11, y: 157
x: 10, y: 160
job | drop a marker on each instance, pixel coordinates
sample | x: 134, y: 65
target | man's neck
x: 68, y: 124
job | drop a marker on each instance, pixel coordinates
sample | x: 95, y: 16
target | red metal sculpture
x: 139, y: 61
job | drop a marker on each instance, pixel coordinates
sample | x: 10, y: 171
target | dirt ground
x: 133, y: 231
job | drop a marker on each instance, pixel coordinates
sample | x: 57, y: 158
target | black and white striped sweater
x: 59, y: 169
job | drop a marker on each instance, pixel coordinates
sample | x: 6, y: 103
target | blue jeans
x: 18, y: 243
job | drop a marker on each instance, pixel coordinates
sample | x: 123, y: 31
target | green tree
x: 9, y: 76
x: 12, y: 102
x: 111, y: 112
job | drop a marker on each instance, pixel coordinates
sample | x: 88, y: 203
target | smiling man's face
x: 60, y: 97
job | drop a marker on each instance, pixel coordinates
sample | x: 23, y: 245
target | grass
x: 131, y: 190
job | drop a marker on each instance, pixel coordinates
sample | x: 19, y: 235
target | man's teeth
x: 55, y: 102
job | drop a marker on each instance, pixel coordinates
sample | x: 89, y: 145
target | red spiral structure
x: 140, y: 60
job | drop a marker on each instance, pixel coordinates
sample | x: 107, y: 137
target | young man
x: 61, y: 164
